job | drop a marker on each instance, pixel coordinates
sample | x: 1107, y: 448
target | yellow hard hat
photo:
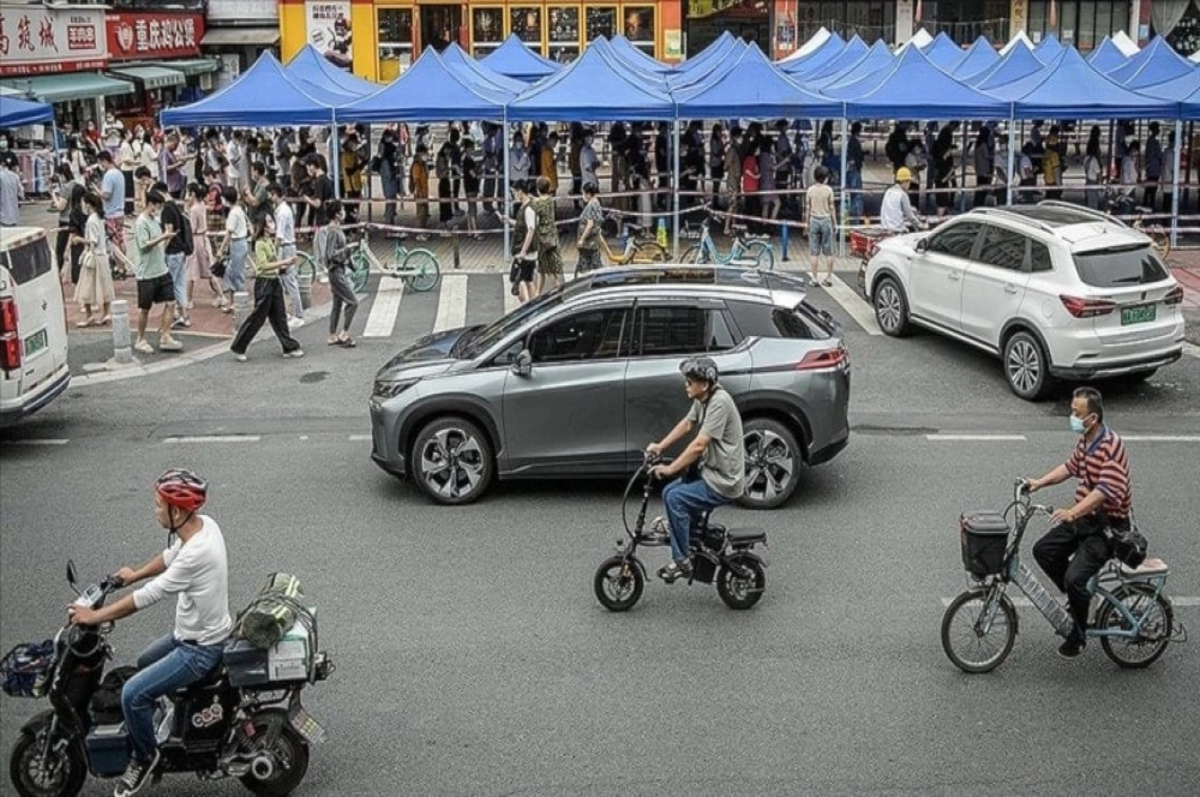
x: 903, y: 175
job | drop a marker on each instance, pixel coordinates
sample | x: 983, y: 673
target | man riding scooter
x: 717, y: 452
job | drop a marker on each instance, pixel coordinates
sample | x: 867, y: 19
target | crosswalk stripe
x: 384, y: 308
x: 855, y: 305
x: 452, y: 303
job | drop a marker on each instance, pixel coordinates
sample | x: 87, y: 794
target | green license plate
x: 36, y: 342
x: 1138, y: 314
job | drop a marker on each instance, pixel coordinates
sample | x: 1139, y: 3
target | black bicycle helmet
x: 699, y: 368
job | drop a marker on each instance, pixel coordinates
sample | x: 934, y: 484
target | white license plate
x: 306, y: 726
x: 36, y: 342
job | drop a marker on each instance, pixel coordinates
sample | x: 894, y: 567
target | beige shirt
x: 820, y: 201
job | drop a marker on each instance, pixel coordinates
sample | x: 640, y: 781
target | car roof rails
x: 1015, y: 215
x: 1083, y: 210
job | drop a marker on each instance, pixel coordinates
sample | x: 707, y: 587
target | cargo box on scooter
x: 290, y: 660
x: 984, y: 540
x: 108, y: 750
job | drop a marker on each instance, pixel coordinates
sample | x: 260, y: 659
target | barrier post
x: 305, y: 280
x: 783, y: 240
x: 241, y: 304
x: 122, y: 350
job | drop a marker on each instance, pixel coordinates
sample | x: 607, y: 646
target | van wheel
x: 773, y: 461
x: 452, y: 461
x: 891, y: 308
x: 1026, y: 367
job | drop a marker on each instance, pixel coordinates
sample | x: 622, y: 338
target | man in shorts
x: 154, y: 283
x: 112, y: 191
x: 822, y: 219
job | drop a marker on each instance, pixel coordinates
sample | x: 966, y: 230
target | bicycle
x: 640, y: 248
x: 1134, y: 621
x: 746, y: 251
x: 1118, y: 205
x: 419, y: 268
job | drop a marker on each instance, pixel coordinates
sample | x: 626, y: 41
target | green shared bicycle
x: 419, y: 268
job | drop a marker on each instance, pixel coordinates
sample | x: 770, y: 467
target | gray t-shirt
x: 725, y: 458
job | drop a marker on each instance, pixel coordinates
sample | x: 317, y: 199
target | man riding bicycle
x: 717, y: 451
x: 193, y: 567
x: 896, y: 213
x: 1078, y: 545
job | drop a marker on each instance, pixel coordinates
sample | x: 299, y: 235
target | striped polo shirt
x: 1103, y: 465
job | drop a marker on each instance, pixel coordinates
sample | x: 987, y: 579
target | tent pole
x: 335, y: 165
x: 504, y: 139
x: 962, y: 197
x: 844, y: 204
x: 675, y: 191
x: 1175, y: 183
x: 1012, y: 133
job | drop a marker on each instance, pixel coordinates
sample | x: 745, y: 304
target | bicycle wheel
x: 1162, y: 241
x: 1157, y: 617
x: 422, y: 271
x: 691, y: 255
x: 978, y: 633
x: 360, y: 270
x: 648, y: 252
x: 305, y: 264
x: 762, y: 253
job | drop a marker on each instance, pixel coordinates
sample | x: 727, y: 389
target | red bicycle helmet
x: 182, y: 489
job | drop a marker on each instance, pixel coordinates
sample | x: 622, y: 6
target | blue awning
x: 16, y: 112
x: 753, y: 88
x: 262, y: 95
x: 515, y: 59
x: 591, y: 90
x: 428, y: 91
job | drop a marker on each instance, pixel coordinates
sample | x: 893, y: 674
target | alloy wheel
x: 770, y: 464
x: 888, y: 308
x: 453, y: 463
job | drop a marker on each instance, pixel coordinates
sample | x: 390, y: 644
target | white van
x: 33, y: 326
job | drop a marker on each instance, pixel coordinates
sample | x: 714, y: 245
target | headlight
x: 390, y: 388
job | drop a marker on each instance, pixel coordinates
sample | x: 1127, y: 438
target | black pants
x: 268, y: 306
x: 1070, y: 554
x: 62, y: 244
x: 445, y: 209
x: 1150, y: 193
x: 982, y: 190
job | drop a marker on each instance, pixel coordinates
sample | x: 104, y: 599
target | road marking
x: 510, y: 302
x: 1001, y: 438
x: 452, y: 303
x: 358, y: 438
x: 42, y: 441
x: 1020, y: 602
x: 384, y: 309
x: 855, y: 305
x: 1192, y: 350
x: 1162, y: 438
x: 214, y: 438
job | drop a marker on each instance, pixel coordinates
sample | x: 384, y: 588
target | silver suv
x: 577, y: 382
x: 1055, y: 290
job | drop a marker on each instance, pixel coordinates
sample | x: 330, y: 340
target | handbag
x: 218, y: 268
x: 1129, y: 545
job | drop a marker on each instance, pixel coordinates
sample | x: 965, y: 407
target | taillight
x: 1087, y: 308
x: 1174, y: 296
x: 10, y: 339
x: 820, y: 359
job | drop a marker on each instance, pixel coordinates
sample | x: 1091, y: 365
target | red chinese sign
x: 36, y: 40
x: 147, y: 34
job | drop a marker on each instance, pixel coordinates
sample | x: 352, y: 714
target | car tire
x: 773, y: 463
x: 891, y: 308
x: 452, y: 461
x: 1026, y: 367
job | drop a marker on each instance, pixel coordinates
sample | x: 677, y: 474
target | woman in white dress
x: 94, y: 293
x: 199, y: 262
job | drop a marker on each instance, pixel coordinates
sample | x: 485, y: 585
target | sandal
x: 85, y: 323
x: 675, y: 570
x: 334, y: 342
x: 348, y: 342
x: 105, y: 321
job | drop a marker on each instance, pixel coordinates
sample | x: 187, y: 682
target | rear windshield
x: 1113, y: 268
x: 29, y: 261
x: 771, y: 321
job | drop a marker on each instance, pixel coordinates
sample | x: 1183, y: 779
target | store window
x: 487, y: 30
x: 600, y: 21
x: 395, y: 42
x: 526, y: 23
x: 1084, y: 23
x: 639, y: 24
x: 870, y: 20
x: 562, y: 33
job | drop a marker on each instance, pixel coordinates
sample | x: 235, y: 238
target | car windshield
x: 493, y: 333
x: 1127, y: 265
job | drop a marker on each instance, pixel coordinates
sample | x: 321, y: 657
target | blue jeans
x: 235, y: 271
x: 291, y: 282
x: 176, y: 266
x: 854, y: 185
x: 685, y: 501
x: 165, y: 666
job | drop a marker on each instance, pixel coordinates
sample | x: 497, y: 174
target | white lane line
x: 44, y: 441
x: 384, y: 308
x: 214, y: 438
x: 1188, y: 602
x: 452, y: 303
x: 855, y: 305
x: 1162, y: 438
x: 1192, y: 350
x: 1000, y: 438
x: 510, y: 302
x: 358, y: 438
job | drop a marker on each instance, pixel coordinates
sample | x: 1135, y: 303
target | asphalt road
x: 473, y: 658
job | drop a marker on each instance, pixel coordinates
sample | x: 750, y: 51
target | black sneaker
x: 136, y: 776
x: 1072, y: 647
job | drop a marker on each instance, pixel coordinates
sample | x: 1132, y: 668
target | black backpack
x: 185, y: 234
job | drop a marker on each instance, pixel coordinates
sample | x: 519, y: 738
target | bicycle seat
x: 1151, y: 567
x: 746, y: 536
x: 635, y: 229
x: 739, y: 228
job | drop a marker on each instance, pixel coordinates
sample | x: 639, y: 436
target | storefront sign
x: 328, y: 26
x: 35, y: 40
x: 146, y: 34
x: 698, y: 9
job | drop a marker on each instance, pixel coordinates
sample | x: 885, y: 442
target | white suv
x: 1055, y: 290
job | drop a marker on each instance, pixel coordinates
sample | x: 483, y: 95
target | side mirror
x: 922, y: 244
x: 72, y: 579
x: 523, y: 365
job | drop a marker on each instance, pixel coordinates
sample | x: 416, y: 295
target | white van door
x: 31, y: 303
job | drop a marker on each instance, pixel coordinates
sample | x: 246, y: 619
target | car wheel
x: 773, y: 461
x: 891, y: 308
x: 452, y: 461
x: 1025, y: 366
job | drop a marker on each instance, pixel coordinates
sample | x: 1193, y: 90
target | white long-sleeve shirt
x: 198, y: 574
x: 896, y: 210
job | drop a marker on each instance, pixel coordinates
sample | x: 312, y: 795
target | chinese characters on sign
x: 36, y: 41
x: 148, y: 34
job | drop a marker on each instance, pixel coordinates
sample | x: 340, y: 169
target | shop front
x: 378, y: 39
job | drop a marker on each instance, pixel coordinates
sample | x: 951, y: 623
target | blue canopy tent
x: 631, y: 69
x: 16, y: 112
x: 878, y: 60
x: 809, y: 62
x: 942, y: 52
x: 695, y: 71
x: 591, y: 89
x: 262, y: 95
x: 639, y: 58
x: 514, y: 59
x: 1107, y: 56
x: 981, y: 55
x: 309, y: 66
x: 713, y: 53
x: 1048, y: 49
x: 1157, y: 63
x: 475, y: 72
x: 428, y: 91
x: 851, y: 54
x: 1018, y: 64
x: 753, y: 88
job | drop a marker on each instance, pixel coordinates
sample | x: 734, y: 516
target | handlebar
x: 1023, y: 497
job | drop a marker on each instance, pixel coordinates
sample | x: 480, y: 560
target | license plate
x: 307, y: 727
x: 36, y: 342
x: 1139, y: 314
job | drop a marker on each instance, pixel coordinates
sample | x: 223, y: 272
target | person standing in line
x: 235, y: 153
x: 591, y: 223
x: 178, y: 248
x: 320, y: 196
x: 1152, y: 165
x: 549, y: 259
x: 943, y: 169
x: 1093, y: 170
x: 822, y: 219
x: 444, y: 168
x: 60, y: 201
x: 254, y: 197
x: 549, y: 162
x: 235, y: 244
x: 337, y: 259
x: 173, y: 161
x: 589, y: 161
x: 470, y: 180
x: 418, y: 178
x: 576, y: 147
x: 916, y: 163
x: 1168, y: 178
x: 525, y: 243
x: 751, y: 178
x: 518, y: 160
x: 391, y: 174
x: 154, y: 284
x: 984, y: 168
x: 94, y: 288
x: 148, y: 155
x: 112, y: 190
x: 268, y: 294
x: 766, y: 180
x: 716, y: 160
x: 199, y: 263
x: 128, y: 159
x: 77, y: 218
x: 285, y: 242
x: 854, y: 170
x: 352, y: 163
x: 733, y: 176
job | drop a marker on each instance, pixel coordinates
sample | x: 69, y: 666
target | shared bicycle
x: 640, y: 248
x: 747, y: 251
x: 419, y: 268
